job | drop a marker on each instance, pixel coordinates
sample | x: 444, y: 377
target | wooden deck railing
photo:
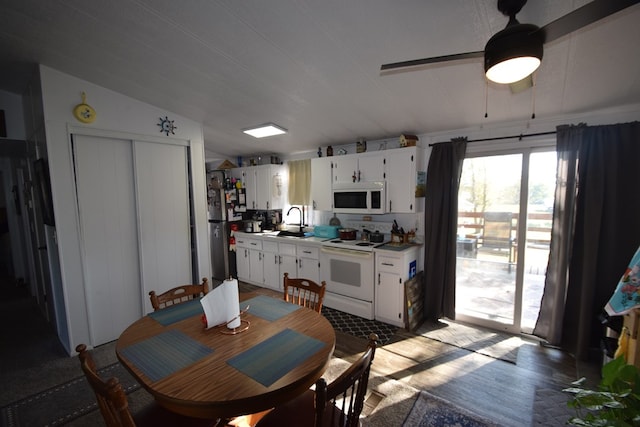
x: 536, y: 233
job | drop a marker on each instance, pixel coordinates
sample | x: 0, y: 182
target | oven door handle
x: 348, y: 252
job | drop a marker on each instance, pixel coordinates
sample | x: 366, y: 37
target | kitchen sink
x: 288, y: 233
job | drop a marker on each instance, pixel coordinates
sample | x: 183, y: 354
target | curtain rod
x: 501, y: 137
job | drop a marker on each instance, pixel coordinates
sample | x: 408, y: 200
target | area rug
x: 484, y: 341
x: 63, y: 403
x: 359, y: 326
x: 432, y: 411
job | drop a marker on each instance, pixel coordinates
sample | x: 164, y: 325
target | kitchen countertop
x: 274, y: 235
x: 397, y: 247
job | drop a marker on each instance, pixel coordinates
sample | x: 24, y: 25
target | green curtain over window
x: 300, y: 182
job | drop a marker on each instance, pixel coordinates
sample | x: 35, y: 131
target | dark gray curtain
x: 595, y: 231
x: 441, y: 224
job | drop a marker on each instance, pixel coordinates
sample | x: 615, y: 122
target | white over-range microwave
x: 359, y: 197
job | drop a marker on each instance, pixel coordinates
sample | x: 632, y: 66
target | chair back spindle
x: 347, y: 392
x: 178, y: 295
x: 304, y: 292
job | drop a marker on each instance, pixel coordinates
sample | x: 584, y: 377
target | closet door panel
x: 109, y: 234
x: 162, y: 193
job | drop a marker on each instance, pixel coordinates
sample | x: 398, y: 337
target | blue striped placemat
x: 269, y: 308
x: 274, y: 357
x: 165, y: 353
x: 178, y: 312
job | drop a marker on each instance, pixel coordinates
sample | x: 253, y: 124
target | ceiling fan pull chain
x: 533, y: 96
x: 486, y: 98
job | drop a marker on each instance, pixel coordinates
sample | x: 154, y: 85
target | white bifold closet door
x: 133, y: 204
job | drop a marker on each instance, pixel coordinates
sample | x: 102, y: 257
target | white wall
x: 115, y: 113
x: 619, y: 114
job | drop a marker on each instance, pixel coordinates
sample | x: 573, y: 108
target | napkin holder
x: 221, y: 308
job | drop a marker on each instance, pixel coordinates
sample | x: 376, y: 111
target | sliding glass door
x: 504, y: 225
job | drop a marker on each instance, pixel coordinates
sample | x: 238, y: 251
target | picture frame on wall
x: 42, y: 186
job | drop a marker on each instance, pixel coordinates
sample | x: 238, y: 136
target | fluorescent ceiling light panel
x: 267, y: 129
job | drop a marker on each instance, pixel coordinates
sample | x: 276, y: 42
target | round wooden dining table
x: 207, y: 373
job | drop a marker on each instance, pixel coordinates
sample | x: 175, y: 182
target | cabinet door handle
x: 386, y: 263
x: 275, y: 259
x: 378, y: 279
x: 267, y: 205
x: 306, y: 252
x: 300, y: 263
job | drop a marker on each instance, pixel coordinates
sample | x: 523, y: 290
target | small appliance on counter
x: 252, y: 226
x: 348, y: 233
x: 373, y: 237
x: 326, y: 231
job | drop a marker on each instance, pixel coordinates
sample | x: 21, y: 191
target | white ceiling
x: 313, y: 66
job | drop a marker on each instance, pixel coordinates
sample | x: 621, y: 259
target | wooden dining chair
x: 337, y: 404
x: 114, y: 406
x: 178, y: 294
x: 304, y: 292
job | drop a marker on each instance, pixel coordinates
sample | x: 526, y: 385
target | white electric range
x: 347, y: 267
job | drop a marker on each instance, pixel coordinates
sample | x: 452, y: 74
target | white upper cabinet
x: 402, y: 174
x: 265, y: 185
x: 363, y: 167
x: 271, y: 192
x: 321, y: 180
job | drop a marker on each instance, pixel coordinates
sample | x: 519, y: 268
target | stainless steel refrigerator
x: 221, y: 203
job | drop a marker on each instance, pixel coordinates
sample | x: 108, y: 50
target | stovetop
x: 360, y: 245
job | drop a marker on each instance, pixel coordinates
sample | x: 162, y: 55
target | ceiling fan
x: 515, y: 52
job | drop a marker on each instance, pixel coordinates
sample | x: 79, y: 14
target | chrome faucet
x: 301, y: 215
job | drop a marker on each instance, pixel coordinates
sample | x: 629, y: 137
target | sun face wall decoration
x: 167, y: 126
x: 84, y: 112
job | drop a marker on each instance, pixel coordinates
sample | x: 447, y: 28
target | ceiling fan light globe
x: 513, y: 69
x: 513, y: 53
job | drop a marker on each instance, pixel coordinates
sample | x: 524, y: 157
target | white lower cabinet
x: 392, y: 269
x: 256, y: 266
x: 288, y: 261
x: 309, y: 262
x: 263, y: 261
x: 271, y: 265
x: 249, y: 260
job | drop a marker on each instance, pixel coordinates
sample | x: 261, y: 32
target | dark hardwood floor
x: 527, y: 393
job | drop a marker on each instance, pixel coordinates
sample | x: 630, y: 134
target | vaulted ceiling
x: 313, y: 67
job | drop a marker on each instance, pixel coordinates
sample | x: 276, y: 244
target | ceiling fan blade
x: 407, y: 65
x: 583, y: 16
